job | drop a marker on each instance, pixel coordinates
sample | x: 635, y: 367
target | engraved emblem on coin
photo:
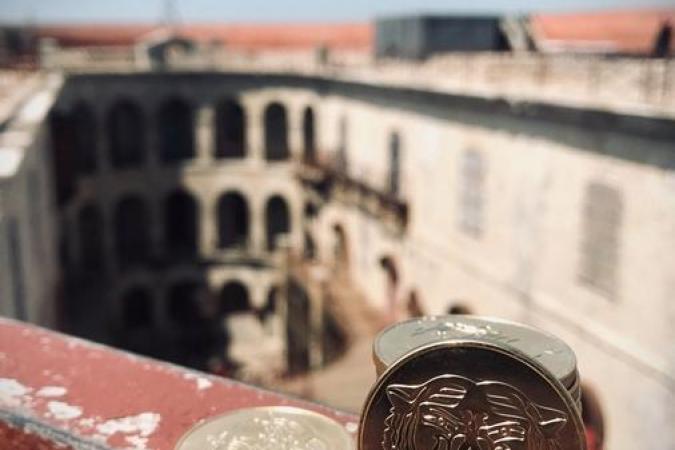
x: 273, y: 433
x: 451, y: 412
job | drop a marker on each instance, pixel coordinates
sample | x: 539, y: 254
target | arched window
x: 394, y: 175
x: 126, y: 135
x: 309, y: 135
x: 176, y: 131
x: 90, y: 229
x: 277, y: 221
x: 185, y: 304
x: 298, y: 329
x: 85, y: 138
x: 137, y: 309
x: 230, y: 130
x: 276, y: 133
x: 132, y: 231
x: 181, y: 224
x: 601, y: 238
x: 233, y: 221
x: 234, y: 299
x: 342, y: 151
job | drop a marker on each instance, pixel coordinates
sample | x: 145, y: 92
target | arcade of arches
x: 151, y: 232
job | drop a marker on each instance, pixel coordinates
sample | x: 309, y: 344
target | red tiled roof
x: 358, y: 36
x: 94, y: 35
x: 624, y: 32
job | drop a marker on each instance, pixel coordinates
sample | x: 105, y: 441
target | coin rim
x: 520, y: 356
x: 379, y: 362
x: 283, y: 408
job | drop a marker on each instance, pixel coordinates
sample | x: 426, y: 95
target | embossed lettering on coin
x: 451, y: 412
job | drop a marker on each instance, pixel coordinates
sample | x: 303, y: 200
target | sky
x: 60, y: 11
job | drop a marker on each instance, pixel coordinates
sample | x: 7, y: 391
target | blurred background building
x: 258, y: 201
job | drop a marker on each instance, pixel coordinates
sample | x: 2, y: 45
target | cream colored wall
x: 525, y: 266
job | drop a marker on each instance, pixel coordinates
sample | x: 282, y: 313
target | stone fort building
x: 261, y: 216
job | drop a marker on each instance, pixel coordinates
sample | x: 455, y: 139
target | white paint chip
x: 202, y: 382
x: 63, y: 411
x: 51, y: 391
x: 11, y: 392
x: 144, y: 424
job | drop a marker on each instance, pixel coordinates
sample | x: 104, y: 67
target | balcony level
x: 326, y: 178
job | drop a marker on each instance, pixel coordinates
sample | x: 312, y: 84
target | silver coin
x: 268, y: 428
x: 401, y: 338
x: 461, y: 395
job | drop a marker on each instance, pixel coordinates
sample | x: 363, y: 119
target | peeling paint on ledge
x: 90, y: 397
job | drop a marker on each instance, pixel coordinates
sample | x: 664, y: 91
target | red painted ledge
x: 61, y: 392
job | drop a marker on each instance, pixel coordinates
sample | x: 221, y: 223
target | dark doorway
x: 234, y: 299
x: 232, y: 221
x: 277, y: 221
x: 298, y: 329
x: 276, y: 133
x: 309, y: 135
x: 126, y: 134
x: 181, y: 224
x: 230, y: 130
x: 176, y: 131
